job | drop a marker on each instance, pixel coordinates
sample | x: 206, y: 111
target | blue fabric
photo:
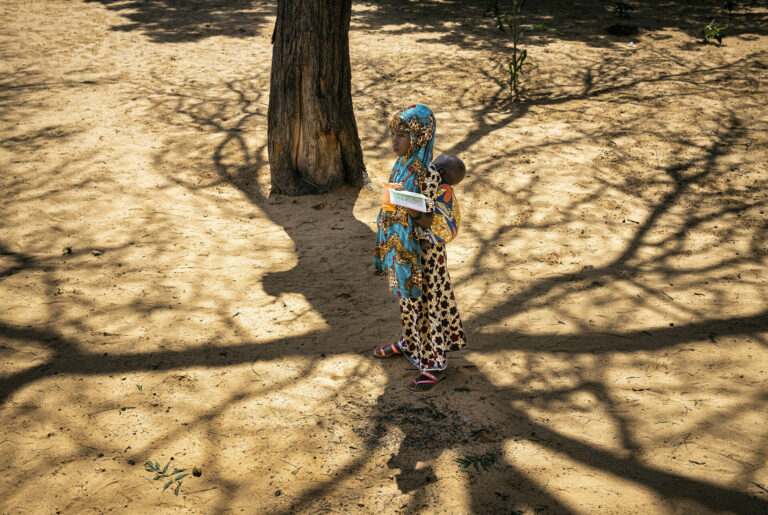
x: 397, y: 249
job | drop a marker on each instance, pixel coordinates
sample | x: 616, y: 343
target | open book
x: 408, y: 199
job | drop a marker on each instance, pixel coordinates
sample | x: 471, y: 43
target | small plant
x: 709, y: 31
x: 162, y: 473
x: 506, y: 22
x: 485, y: 461
x: 621, y: 9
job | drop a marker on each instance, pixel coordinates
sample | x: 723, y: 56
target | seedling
x: 709, y: 31
x: 621, y: 9
x: 485, y: 461
x: 506, y: 22
x: 163, y: 473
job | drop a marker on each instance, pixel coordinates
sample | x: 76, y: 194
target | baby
x: 441, y: 226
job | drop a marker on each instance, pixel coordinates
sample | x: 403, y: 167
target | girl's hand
x: 422, y: 219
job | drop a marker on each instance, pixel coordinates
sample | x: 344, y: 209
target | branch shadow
x: 470, y: 25
x: 174, y: 21
x: 462, y: 23
x: 433, y: 426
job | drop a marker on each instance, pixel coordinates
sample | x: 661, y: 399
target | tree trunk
x: 312, y: 136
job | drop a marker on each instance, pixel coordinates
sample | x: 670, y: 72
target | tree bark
x: 312, y: 136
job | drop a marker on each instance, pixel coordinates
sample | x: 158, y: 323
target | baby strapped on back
x: 447, y: 215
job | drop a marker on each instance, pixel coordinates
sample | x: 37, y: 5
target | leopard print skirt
x: 431, y: 323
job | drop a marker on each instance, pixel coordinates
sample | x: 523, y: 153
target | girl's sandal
x: 431, y: 379
x: 387, y: 351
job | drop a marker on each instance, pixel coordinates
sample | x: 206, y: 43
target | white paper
x: 408, y: 199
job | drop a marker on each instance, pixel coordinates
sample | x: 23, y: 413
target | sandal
x: 387, y: 351
x: 422, y: 385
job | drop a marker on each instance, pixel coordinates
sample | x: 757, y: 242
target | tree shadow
x: 470, y: 24
x: 359, y: 312
x: 410, y: 414
x: 174, y: 21
x: 462, y: 23
x: 431, y: 426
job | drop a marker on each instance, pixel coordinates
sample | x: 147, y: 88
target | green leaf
x: 521, y: 60
x: 176, y: 492
x: 485, y: 461
x: 181, y: 477
x: 166, y: 466
x: 176, y: 471
x: 167, y: 485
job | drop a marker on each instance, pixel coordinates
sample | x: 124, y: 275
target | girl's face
x: 401, y: 142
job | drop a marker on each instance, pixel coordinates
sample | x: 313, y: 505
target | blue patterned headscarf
x: 398, y: 255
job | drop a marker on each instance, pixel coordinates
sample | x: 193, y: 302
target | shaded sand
x: 158, y: 303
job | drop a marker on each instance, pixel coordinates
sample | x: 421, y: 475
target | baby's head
x: 450, y: 168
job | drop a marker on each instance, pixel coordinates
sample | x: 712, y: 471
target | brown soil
x: 159, y: 304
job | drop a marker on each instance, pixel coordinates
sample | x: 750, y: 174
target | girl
x: 418, y: 277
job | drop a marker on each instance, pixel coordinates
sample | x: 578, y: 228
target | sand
x: 158, y: 304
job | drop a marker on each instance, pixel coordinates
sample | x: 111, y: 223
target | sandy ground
x: 158, y: 304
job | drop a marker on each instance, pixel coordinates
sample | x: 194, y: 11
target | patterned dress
x: 397, y: 255
x: 431, y: 323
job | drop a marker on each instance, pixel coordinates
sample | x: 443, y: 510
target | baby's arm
x: 422, y: 219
